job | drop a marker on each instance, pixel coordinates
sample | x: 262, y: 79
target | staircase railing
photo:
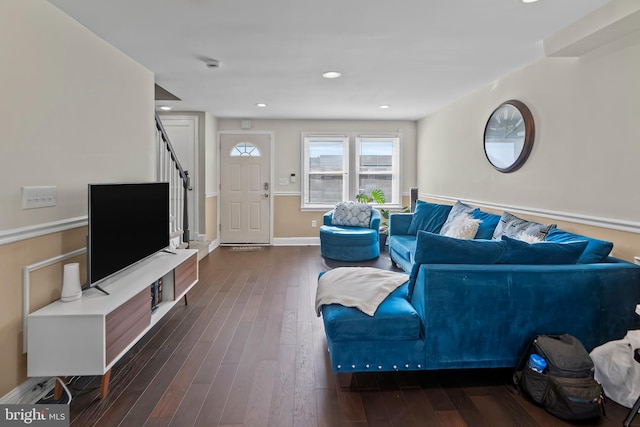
x: 170, y: 170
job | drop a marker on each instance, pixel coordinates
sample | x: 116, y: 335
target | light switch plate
x: 39, y: 197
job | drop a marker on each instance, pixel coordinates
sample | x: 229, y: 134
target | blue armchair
x: 345, y: 243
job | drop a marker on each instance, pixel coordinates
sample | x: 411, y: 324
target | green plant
x: 377, y: 197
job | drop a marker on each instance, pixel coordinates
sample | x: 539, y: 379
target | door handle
x: 265, y: 195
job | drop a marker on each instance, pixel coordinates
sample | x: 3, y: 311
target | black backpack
x: 566, y: 387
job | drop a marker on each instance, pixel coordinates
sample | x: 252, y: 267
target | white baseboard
x: 214, y: 244
x: 296, y: 241
x: 29, y: 392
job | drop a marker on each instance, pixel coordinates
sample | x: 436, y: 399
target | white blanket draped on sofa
x: 361, y: 287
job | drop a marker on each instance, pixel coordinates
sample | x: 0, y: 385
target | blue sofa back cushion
x: 428, y: 217
x: 487, y: 226
x: 520, y: 252
x: 436, y: 249
x: 596, y: 250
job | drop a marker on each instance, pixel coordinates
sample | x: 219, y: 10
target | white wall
x: 211, y: 155
x: 586, y: 154
x: 73, y: 110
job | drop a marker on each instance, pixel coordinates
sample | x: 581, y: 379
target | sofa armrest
x: 399, y: 223
x: 327, y: 217
x: 374, y: 223
x: 487, y: 313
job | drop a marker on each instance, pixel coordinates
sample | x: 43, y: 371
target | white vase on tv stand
x: 71, y: 287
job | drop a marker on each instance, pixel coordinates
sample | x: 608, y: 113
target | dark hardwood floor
x: 248, y: 350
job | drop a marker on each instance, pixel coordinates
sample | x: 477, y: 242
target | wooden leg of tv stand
x: 104, y: 384
x: 186, y: 302
x: 57, y: 388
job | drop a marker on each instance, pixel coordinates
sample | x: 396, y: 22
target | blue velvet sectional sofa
x: 475, y: 303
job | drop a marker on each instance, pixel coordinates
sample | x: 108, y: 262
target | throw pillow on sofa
x: 433, y: 248
x: 462, y: 227
x: 596, y: 250
x: 459, y: 209
x: 488, y: 223
x: 510, y: 225
x: 428, y: 217
x: 521, y: 252
x: 352, y: 214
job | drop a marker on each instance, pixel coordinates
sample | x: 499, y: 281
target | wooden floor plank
x: 216, y: 399
x: 250, y: 350
x: 304, y: 411
x: 327, y: 408
x: 375, y: 409
x: 259, y: 404
x: 190, y: 406
x: 234, y: 410
x: 282, y: 402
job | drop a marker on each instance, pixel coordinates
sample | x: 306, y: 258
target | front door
x: 245, y: 188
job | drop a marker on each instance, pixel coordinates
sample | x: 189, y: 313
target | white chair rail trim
x: 611, y: 223
x: 31, y: 231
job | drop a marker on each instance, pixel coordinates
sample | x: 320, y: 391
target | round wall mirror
x: 508, y: 136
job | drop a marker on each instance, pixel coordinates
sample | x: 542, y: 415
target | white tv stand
x: 88, y: 336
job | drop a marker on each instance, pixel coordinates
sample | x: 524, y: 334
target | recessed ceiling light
x: 261, y: 104
x: 331, y: 75
x: 165, y: 107
x: 529, y: 1
x: 384, y: 107
x: 211, y: 62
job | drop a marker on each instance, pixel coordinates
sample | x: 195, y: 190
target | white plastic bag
x: 616, y: 369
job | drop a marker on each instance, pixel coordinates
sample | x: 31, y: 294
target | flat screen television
x: 127, y: 223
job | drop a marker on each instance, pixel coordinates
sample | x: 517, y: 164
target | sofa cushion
x: 405, y: 246
x: 395, y: 319
x: 511, y: 226
x: 436, y: 249
x: 352, y: 214
x: 488, y: 224
x: 458, y: 210
x: 428, y: 217
x: 520, y: 252
x: 596, y: 250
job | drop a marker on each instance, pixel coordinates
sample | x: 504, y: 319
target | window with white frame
x: 330, y: 175
x: 377, y: 166
x: 325, y: 167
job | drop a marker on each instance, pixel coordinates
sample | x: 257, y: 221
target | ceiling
x: 414, y: 55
